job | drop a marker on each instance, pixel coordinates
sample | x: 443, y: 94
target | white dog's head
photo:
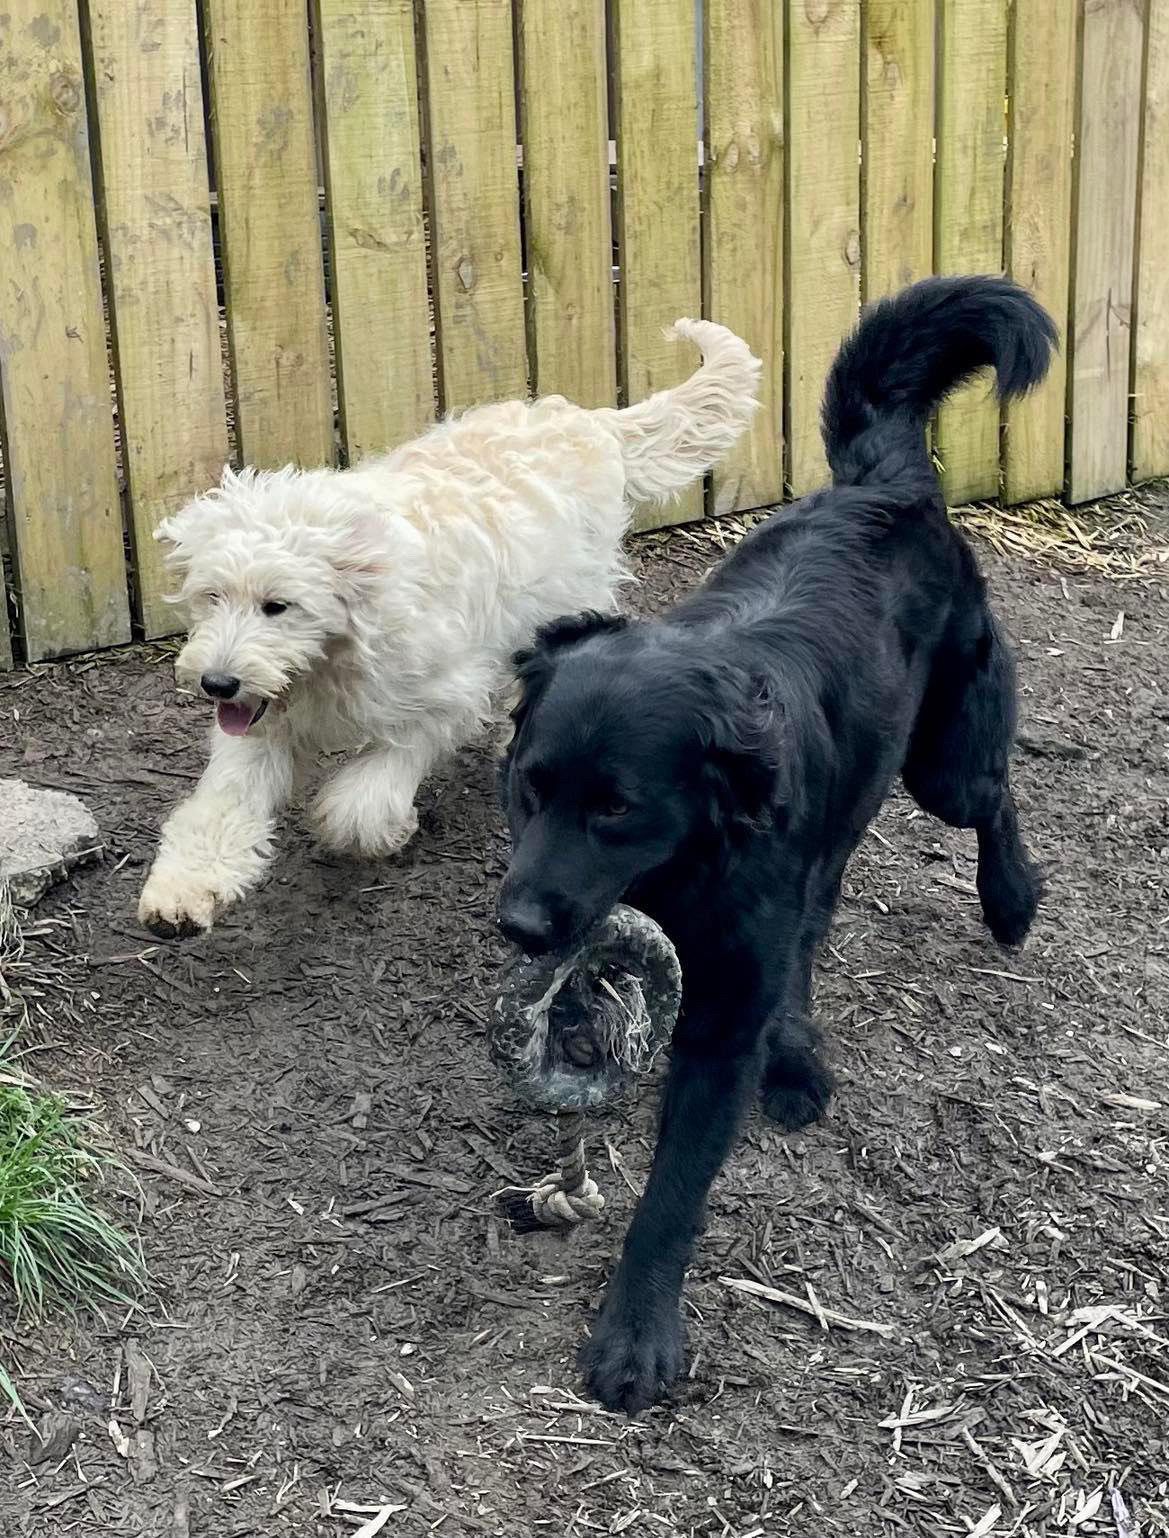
x: 273, y: 567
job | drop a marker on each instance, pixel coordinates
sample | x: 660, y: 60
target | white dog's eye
x: 273, y: 607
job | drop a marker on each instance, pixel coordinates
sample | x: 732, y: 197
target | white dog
x: 375, y: 609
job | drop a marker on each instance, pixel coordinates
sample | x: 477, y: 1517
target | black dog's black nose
x: 220, y: 686
x: 527, y: 925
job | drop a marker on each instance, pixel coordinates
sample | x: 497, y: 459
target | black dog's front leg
x: 636, y: 1348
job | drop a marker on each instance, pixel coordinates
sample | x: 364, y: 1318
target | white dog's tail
x: 675, y: 435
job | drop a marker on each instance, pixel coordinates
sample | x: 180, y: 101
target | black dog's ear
x: 744, y: 762
x: 535, y: 664
x: 565, y: 631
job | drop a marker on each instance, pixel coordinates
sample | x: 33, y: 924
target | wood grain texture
x: 270, y: 228
x: 54, y: 371
x: 659, y: 232
x: 1042, y: 93
x: 568, y: 205
x: 156, y: 214
x: 475, y: 201
x: 373, y: 182
x: 744, y: 232
x: 1150, y: 429
x: 1102, y: 281
x: 969, y: 217
x: 898, y: 156
x: 823, y: 215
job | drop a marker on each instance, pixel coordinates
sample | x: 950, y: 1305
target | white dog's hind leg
x: 367, y: 807
x: 216, y: 845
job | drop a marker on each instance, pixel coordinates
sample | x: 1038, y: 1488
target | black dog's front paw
x: 797, y: 1105
x: 633, y: 1355
x: 797, y: 1085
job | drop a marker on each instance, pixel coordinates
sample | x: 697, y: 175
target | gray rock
x: 43, y: 835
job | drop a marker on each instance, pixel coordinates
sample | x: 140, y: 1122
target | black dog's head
x: 629, y: 752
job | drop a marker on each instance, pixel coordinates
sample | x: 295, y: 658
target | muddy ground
x: 340, y: 1322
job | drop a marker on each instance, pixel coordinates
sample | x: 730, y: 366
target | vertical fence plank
x: 744, y: 232
x: 61, y: 466
x: 1042, y: 94
x: 566, y: 189
x: 1150, y: 434
x: 373, y: 175
x: 1108, y: 151
x: 5, y: 641
x: 969, y: 214
x: 659, y: 236
x: 270, y: 229
x: 157, y: 218
x: 475, y: 201
x: 823, y: 204
x: 897, y: 158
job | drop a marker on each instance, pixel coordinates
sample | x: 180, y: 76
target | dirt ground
x: 340, y: 1321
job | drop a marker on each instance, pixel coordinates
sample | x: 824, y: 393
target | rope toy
x: 567, y: 1031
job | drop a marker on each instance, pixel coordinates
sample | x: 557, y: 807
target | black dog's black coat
x: 717, y: 767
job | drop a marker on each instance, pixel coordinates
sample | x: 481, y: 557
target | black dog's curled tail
x: 909, y: 352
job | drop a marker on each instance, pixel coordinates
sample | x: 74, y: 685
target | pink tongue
x: 234, y: 718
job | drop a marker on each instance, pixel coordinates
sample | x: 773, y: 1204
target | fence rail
x: 297, y: 230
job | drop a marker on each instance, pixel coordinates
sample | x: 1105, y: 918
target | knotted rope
x: 566, y: 1196
x: 567, y: 1032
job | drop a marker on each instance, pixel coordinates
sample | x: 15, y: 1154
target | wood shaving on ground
x: 824, y: 1316
x: 1112, y: 539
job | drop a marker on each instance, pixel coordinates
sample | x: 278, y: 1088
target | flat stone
x: 43, y: 835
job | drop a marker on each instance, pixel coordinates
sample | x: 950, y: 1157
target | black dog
x: 717, y: 767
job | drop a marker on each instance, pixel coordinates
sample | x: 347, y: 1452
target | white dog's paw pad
x: 172, y: 915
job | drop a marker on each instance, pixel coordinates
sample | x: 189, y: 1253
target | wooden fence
x: 412, y: 205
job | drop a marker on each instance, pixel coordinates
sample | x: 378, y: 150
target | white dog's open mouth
x: 235, y: 717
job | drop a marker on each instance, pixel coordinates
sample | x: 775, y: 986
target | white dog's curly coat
x: 376, y: 608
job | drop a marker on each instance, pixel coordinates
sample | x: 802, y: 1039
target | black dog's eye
x: 272, y: 608
x: 613, y: 806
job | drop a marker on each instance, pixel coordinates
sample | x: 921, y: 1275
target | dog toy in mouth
x: 567, y: 1030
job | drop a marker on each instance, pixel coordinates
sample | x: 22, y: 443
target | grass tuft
x: 56, y: 1247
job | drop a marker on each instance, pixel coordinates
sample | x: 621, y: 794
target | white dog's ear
x: 360, y: 550
x: 183, y: 533
x: 174, y: 535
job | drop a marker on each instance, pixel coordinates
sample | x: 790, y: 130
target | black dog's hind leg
x: 956, y: 768
x: 1009, y: 885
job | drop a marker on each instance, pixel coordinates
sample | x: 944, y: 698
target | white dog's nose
x: 220, y: 686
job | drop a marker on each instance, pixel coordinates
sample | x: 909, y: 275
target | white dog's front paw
x: 342, y: 828
x: 393, y: 838
x: 171, y: 908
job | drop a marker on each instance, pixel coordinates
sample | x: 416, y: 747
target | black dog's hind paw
x: 1010, y: 901
x: 1010, y: 927
x: 631, y: 1359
